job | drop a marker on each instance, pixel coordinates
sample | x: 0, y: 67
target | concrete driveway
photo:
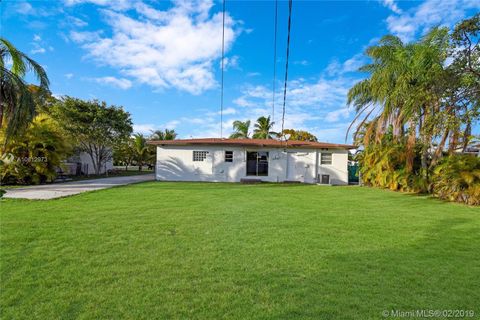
x: 57, y: 190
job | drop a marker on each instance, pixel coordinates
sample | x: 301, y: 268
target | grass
x: 229, y: 251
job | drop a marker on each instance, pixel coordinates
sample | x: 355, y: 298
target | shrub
x: 35, y: 156
x: 457, y: 178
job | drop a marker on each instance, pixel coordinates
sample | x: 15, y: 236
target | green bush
x: 457, y: 178
x: 34, y: 156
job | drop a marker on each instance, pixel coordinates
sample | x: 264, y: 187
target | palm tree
x: 241, y: 130
x: 17, y: 105
x: 168, y: 134
x: 142, y: 151
x: 263, y: 128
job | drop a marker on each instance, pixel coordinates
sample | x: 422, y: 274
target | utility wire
x: 223, y: 59
x: 274, y: 60
x: 286, y: 64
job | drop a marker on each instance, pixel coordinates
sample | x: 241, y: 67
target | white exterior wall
x: 175, y: 163
x: 86, y: 159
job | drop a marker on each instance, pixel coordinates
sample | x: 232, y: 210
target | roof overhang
x: 270, y: 143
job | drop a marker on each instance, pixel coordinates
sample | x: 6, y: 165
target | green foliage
x: 142, y: 152
x: 419, y: 99
x: 35, y: 156
x: 298, y: 135
x: 167, y: 134
x: 94, y: 127
x: 241, y: 130
x: 263, y: 129
x: 457, y: 178
x: 17, y: 102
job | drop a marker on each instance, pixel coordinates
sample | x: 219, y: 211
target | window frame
x: 228, y: 158
x: 199, y: 155
x: 322, y: 160
x: 265, y: 163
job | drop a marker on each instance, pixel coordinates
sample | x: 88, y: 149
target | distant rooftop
x: 252, y: 143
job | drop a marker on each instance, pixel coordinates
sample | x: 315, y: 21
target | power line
x: 223, y: 59
x: 274, y: 60
x: 286, y: 64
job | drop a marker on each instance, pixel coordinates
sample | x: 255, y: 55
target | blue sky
x: 161, y: 60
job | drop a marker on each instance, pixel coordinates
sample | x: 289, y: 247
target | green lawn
x: 230, y: 251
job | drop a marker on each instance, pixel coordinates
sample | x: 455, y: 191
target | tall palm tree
x: 17, y: 105
x: 241, y: 130
x: 263, y: 128
x: 168, y: 134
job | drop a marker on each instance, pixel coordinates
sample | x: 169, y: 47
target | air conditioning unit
x: 324, y: 178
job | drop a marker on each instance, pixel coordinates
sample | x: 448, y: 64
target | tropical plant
x: 263, y: 129
x: 124, y: 153
x: 94, y: 127
x: 241, y: 130
x: 419, y: 103
x: 299, y: 135
x: 167, y: 134
x: 142, y: 152
x: 457, y: 178
x: 36, y: 155
x: 17, y: 103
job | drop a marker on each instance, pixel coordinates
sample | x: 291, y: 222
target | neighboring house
x: 81, y: 164
x: 233, y: 160
x: 473, y: 149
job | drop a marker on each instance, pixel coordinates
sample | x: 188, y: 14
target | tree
x: 417, y: 108
x: 142, y: 153
x: 241, y: 130
x: 298, y: 135
x: 263, y: 128
x: 17, y: 105
x: 34, y: 156
x: 94, y: 126
x: 123, y: 152
x: 167, y: 134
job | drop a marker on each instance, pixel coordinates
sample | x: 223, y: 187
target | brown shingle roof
x: 252, y: 143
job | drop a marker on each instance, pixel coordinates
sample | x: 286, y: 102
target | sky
x: 161, y: 60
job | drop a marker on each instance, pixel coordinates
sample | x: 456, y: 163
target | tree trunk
x: 466, y: 135
x: 440, y: 147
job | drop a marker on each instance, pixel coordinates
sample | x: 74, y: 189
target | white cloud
x: 335, y: 116
x: 121, y: 83
x: 174, y: 48
x: 301, y: 62
x: 336, y: 68
x: 144, y: 128
x: 231, y: 63
x: 69, y: 75
x: 392, y: 5
x: 37, y: 49
x: 253, y: 74
x: 147, y: 128
x: 427, y: 15
x: 24, y: 8
x: 36, y: 37
x: 76, y: 21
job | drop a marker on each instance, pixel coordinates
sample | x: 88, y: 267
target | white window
x: 326, y: 158
x: 228, y: 156
x: 199, y: 155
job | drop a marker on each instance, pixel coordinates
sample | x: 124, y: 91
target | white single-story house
x: 81, y: 163
x: 234, y: 160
